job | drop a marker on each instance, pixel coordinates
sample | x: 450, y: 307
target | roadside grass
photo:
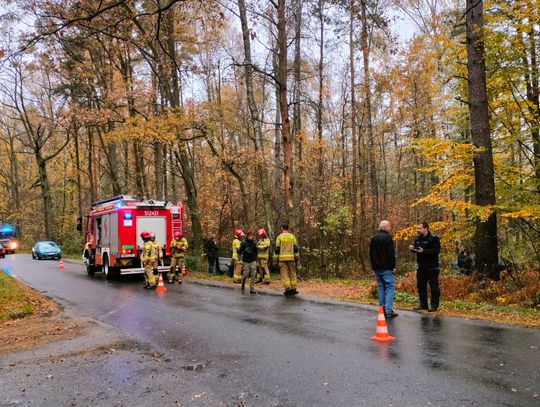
x: 66, y: 256
x: 14, y: 303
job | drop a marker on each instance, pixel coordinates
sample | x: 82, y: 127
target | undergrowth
x: 13, y: 301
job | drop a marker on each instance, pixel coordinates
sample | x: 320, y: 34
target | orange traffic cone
x: 160, y: 286
x: 381, y: 333
x: 61, y: 265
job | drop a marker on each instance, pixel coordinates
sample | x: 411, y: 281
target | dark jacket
x: 381, y: 251
x: 248, y: 251
x: 432, y: 247
x: 211, y: 249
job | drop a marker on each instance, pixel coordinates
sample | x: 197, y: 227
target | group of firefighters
x: 152, y: 253
x: 250, y: 258
x: 246, y: 263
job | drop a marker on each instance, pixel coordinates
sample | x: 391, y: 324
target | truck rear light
x: 127, y: 249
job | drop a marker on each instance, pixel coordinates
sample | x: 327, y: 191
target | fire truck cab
x: 112, y: 233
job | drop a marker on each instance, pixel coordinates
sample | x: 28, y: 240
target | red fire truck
x: 112, y: 233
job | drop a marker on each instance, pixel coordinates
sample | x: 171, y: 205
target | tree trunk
x: 110, y: 152
x: 139, y: 171
x: 532, y: 78
x: 158, y: 171
x: 286, y: 136
x: 255, y: 121
x: 191, y: 195
x: 46, y: 196
x: 321, y: 88
x: 369, y: 126
x: 14, y: 178
x: 172, y: 82
x: 278, y: 162
x: 297, y: 116
x: 78, y: 168
x: 92, y: 165
x: 354, y: 175
x: 486, y: 231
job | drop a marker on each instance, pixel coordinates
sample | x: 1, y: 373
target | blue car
x: 46, y: 250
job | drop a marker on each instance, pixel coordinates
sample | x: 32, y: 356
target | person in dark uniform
x: 427, y: 247
x: 247, y: 253
x: 211, y: 251
x: 465, y: 262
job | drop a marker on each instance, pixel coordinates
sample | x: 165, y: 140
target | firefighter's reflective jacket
x: 263, y: 245
x: 179, y: 247
x: 235, y: 246
x: 286, y: 247
x: 158, y: 250
x: 148, y: 253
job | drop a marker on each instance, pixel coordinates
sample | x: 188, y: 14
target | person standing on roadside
x: 263, y: 245
x: 237, y: 264
x: 179, y: 246
x: 248, y: 254
x: 158, y: 253
x: 211, y: 251
x: 427, y: 247
x: 383, y: 262
x: 287, y: 258
x: 148, y: 257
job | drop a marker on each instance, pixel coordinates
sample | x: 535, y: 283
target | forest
x: 328, y: 114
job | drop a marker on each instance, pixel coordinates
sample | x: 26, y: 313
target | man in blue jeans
x: 383, y: 262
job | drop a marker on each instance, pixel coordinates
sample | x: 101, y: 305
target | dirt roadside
x: 47, y: 324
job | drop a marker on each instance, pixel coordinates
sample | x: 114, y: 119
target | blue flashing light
x: 128, y: 215
x: 119, y: 205
x: 7, y: 228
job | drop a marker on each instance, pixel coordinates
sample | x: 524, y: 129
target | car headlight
x: 13, y: 245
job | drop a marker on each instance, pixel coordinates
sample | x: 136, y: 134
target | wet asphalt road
x: 269, y: 350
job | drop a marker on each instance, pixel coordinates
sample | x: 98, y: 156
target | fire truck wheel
x: 110, y: 272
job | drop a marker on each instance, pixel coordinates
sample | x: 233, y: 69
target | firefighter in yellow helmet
x: 263, y: 247
x: 287, y: 256
x: 237, y: 276
x: 179, y: 245
x: 147, y: 259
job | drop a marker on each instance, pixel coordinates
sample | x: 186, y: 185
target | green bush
x: 193, y: 263
x: 71, y: 242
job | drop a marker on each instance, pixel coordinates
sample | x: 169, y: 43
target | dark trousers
x: 425, y: 275
x: 212, y: 262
